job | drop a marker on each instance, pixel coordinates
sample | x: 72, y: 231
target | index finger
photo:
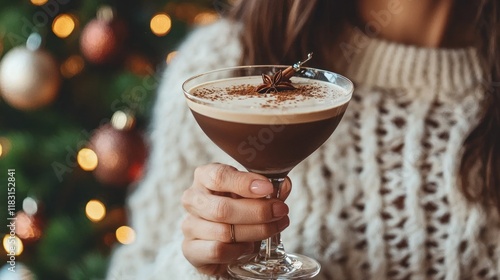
x: 224, y: 178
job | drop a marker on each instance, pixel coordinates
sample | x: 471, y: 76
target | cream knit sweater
x: 379, y: 200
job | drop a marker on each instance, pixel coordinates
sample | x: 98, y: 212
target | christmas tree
x: 77, y: 84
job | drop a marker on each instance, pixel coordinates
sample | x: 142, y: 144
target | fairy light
x: 30, y: 206
x: 125, y: 235
x: 87, y: 159
x: 39, y: 2
x: 106, y: 13
x: 122, y: 121
x: 12, y: 244
x: 26, y: 226
x: 63, y: 25
x: 95, y: 210
x: 72, y: 66
x: 205, y: 18
x: 4, y: 146
x: 160, y: 24
x: 171, y: 56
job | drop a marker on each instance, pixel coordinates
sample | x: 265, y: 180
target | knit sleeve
x: 177, y: 146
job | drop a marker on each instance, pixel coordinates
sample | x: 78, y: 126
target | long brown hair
x: 279, y: 31
x: 482, y: 146
x: 283, y: 30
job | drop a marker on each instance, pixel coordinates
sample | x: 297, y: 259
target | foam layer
x: 226, y: 100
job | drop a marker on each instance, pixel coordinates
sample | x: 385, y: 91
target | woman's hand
x: 222, y: 196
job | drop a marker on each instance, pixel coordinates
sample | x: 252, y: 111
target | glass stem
x: 272, y: 248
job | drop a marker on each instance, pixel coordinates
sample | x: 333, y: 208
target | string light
x: 171, y: 56
x: 72, y: 66
x: 125, y: 235
x: 95, y: 210
x: 26, y: 227
x: 87, y: 159
x: 13, y: 244
x: 205, y: 18
x: 4, y: 146
x: 63, y: 25
x: 30, y: 206
x: 161, y: 24
x: 122, y: 120
x: 39, y: 2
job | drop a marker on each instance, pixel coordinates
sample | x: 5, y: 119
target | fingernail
x: 279, y: 209
x: 261, y: 187
x: 283, y: 223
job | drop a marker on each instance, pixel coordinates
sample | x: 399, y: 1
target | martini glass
x: 269, y: 134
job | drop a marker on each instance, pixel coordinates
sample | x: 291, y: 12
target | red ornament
x: 102, y: 38
x: 121, y: 152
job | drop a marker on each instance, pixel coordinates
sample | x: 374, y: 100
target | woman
x: 408, y: 187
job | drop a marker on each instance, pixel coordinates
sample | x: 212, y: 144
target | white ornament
x: 28, y: 79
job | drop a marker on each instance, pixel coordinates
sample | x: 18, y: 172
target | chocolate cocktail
x: 269, y: 123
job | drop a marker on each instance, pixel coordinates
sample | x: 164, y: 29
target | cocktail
x: 269, y: 119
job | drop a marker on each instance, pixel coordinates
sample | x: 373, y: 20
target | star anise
x: 274, y: 83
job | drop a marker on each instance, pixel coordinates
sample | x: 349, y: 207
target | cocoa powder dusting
x: 299, y: 93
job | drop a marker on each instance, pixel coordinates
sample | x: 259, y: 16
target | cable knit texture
x: 379, y: 200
